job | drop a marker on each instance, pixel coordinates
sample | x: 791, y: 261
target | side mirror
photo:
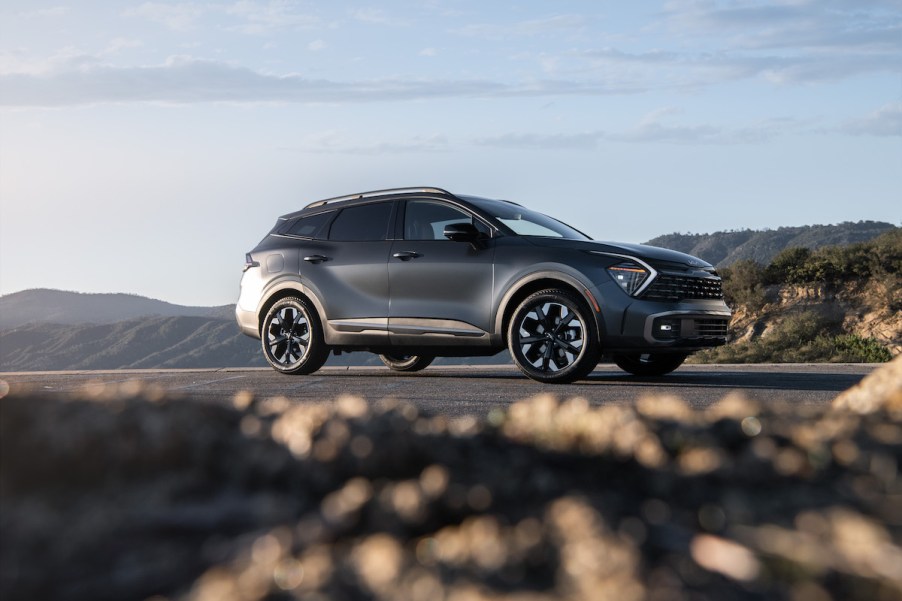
x: 461, y: 232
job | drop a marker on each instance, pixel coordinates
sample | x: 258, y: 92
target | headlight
x: 629, y: 276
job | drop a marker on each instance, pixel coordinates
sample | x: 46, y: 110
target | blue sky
x: 145, y: 146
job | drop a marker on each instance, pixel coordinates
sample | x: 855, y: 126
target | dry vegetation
x: 122, y: 494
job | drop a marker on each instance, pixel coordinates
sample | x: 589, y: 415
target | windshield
x: 528, y: 223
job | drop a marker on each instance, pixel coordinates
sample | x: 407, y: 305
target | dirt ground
x: 123, y: 494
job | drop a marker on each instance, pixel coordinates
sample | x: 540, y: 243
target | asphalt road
x: 456, y: 391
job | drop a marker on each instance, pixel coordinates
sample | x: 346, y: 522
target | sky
x: 146, y: 146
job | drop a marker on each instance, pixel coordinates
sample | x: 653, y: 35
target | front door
x: 441, y: 291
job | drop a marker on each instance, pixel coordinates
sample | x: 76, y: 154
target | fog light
x: 666, y: 328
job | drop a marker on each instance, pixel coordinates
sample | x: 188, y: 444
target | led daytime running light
x: 628, y: 276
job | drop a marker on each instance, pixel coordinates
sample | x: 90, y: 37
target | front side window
x: 426, y: 220
x: 529, y: 223
x: 525, y: 222
x: 365, y: 222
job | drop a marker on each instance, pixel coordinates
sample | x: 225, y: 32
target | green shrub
x: 855, y: 349
x: 802, y: 338
x: 881, y: 257
x: 743, y: 284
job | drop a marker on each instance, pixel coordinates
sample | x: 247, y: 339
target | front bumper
x: 650, y: 326
x: 687, y: 328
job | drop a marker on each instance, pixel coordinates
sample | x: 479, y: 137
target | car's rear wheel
x: 292, y: 337
x: 649, y: 364
x: 552, y: 338
x: 399, y: 362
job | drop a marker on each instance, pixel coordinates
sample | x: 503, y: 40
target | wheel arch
x: 286, y: 290
x: 533, y: 283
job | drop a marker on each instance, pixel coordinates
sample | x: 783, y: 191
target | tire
x: 649, y: 364
x: 401, y: 362
x: 292, y: 337
x: 552, y: 337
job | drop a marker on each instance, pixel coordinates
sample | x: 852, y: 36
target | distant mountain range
x: 725, y: 248
x: 55, y: 330
x: 41, y: 305
x: 145, y: 343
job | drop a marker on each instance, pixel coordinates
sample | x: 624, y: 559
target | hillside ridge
x: 45, y: 305
x: 724, y: 248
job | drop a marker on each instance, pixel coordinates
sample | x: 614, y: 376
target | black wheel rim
x: 551, y: 336
x: 288, y: 336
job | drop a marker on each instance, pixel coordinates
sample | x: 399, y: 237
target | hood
x: 654, y: 253
x: 640, y: 251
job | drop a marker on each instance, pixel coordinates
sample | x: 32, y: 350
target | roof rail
x: 377, y: 193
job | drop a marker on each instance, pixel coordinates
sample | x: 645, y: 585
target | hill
x: 146, y: 343
x: 725, y: 248
x: 42, y: 305
x: 837, y: 303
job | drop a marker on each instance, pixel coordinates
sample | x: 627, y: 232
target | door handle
x: 316, y: 259
x: 406, y: 255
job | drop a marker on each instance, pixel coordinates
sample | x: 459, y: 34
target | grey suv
x: 416, y: 273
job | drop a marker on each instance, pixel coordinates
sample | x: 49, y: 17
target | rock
x: 126, y: 494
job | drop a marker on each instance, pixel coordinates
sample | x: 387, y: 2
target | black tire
x: 407, y: 362
x: 552, y: 337
x: 649, y: 364
x: 292, y: 337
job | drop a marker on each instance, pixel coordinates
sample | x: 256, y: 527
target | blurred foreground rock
x: 122, y: 494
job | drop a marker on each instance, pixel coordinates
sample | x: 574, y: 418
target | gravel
x: 124, y: 493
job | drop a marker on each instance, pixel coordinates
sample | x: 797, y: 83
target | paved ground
x: 467, y: 390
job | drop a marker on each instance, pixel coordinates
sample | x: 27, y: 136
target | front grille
x: 677, y: 287
x: 711, y: 327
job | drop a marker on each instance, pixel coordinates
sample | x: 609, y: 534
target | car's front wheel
x: 552, y: 338
x: 650, y: 364
x: 399, y: 362
x: 293, y: 337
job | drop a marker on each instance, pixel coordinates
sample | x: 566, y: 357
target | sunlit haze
x: 146, y: 146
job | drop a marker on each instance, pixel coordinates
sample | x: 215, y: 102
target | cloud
x: 253, y: 18
x: 703, y: 43
x: 316, y: 46
x: 536, y: 141
x: 378, y: 17
x: 797, y: 41
x: 79, y: 80
x: 884, y: 122
x: 46, y: 13
x: 652, y: 128
x: 339, y: 142
x: 179, y: 17
x: 263, y: 17
x: 534, y: 27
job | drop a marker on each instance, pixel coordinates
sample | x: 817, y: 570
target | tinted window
x: 367, y: 222
x: 308, y: 226
x: 525, y: 222
x: 426, y: 220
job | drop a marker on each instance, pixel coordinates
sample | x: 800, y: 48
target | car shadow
x: 685, y: 378
x: 736, y: 380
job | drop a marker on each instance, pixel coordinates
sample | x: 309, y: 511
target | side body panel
x: 443, y: 288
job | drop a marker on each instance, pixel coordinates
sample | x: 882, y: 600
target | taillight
x: 249, y: 262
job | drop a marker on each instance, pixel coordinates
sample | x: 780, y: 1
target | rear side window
x: 366, y: 222
x: 307, y: 227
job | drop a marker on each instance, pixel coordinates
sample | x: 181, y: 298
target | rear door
x: 349, y: 269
